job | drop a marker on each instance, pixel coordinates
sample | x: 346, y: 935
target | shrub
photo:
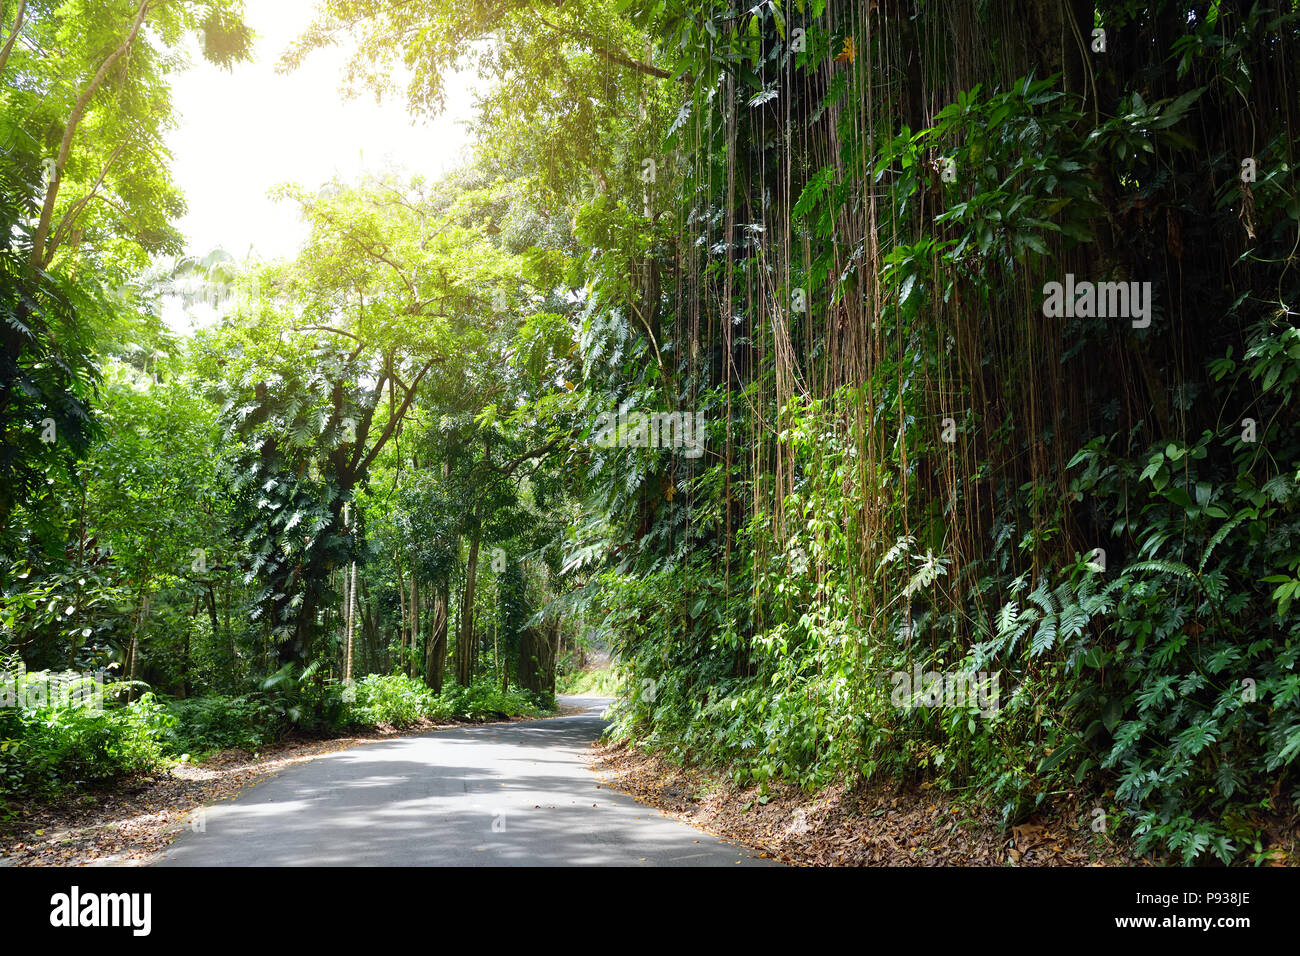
x: 391, y: 699
x: 52, y: 748
x: 483, y: 701
x: 217, y: 722
x: 400, y: 701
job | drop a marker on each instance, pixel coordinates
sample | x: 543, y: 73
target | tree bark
x: 352, y: 606
x: 132, y: 662
x: 415, y: 624
x: 296, y: 648
x: 13, y: 35
x: 536, y: 668
x: 435, y: 657
x: 401, y: 606
x: 465, y: 646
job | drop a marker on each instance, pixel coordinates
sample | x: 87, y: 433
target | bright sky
x: 244, y: 131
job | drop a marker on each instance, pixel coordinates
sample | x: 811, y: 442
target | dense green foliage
x: 49, y: 747
x: 409, y: 468
x: 49, y: 744
x: 841, y: 537
x: 200, y: 517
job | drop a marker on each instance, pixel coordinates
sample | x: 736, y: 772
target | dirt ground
x: 875, y: 826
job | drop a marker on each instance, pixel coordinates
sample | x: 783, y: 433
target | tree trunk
x: 296, y: 649
x: 435, y: 658
x: 536, y: 668
x: 465, y: 647
x: 401, y: 606
x: 369, y: 626
x: 133, y: 654
x: 13, y: 35
x: 407, y: 662
x: 352, y: 608
x: 230, y: 634
x: 185, y: 663
x: 40, y: 254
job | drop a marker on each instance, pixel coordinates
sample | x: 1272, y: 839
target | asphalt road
x: 516, y: 794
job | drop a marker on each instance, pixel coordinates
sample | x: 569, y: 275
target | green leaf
x: 905, y: 291
x: 1112, y: 713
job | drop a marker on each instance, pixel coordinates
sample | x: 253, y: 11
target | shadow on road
x: 513, y: 794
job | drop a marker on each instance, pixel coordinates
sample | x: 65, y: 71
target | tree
x: 90, y: 78
x: 383, y: 293
x: 575, y: 93
x: 47, y: 371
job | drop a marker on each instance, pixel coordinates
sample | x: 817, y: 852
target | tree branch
x: 70, y: 217
x: 647, y: 68
x: 398, y: 415
x: 9, y: 44
x: 39, y: 258
x: 508, y: 468
x: 325, y: 328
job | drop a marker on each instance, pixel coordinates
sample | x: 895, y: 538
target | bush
x: 601, y: 682
x: 401, y: 701
x: 482, y: 701
x: 218, y: 722
x: 53, y: 748
x: 393, y: 699
x: 48, y: 749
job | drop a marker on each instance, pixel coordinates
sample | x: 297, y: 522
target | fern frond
x: 1163, y: 566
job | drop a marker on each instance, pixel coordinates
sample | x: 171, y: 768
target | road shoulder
x: 879, y: 825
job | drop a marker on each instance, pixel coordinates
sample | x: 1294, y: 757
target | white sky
x: 244, y: 131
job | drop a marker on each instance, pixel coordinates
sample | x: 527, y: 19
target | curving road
x: 517, y: 794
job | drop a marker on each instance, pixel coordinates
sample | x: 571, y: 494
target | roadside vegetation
x: 52, y: 749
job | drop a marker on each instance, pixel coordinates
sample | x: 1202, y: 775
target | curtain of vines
x: 911, y: 463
